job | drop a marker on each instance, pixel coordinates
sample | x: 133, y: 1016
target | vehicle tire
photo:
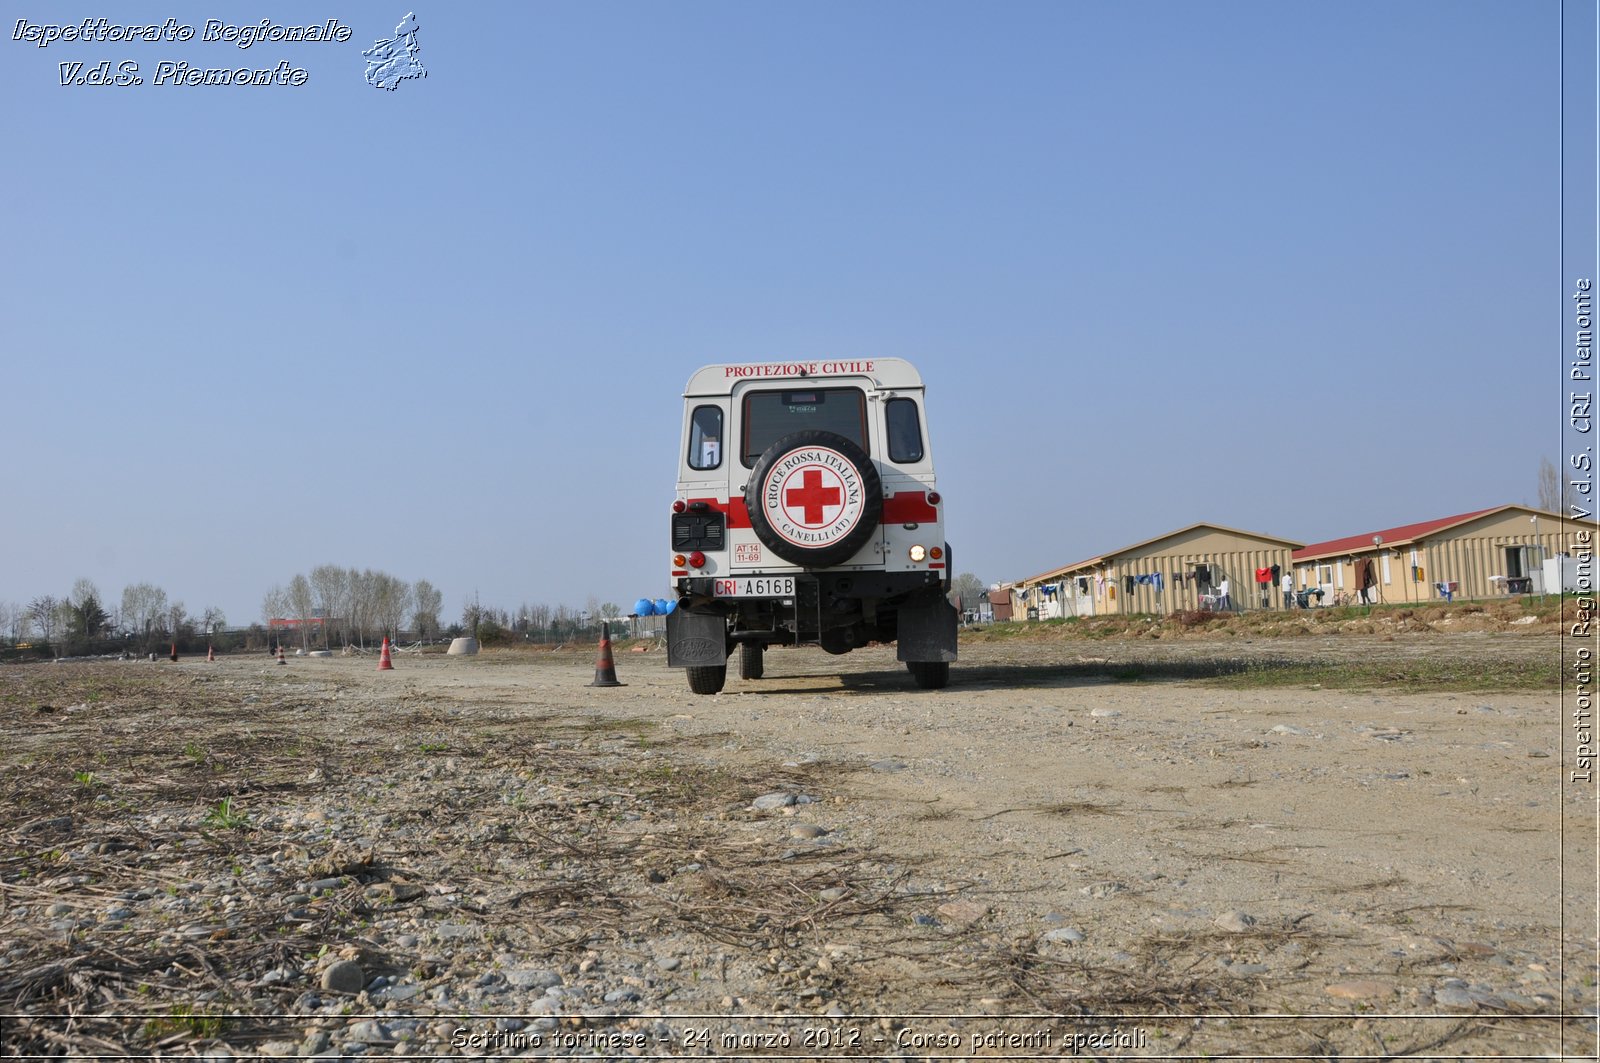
x: 930, y: 675
x: 752, y: 662
x: 817, y: 512
x: 709, y: 679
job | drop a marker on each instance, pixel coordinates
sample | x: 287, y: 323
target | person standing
x: 1288, y: 589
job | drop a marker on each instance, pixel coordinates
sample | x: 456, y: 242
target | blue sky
x: 1285, y: 267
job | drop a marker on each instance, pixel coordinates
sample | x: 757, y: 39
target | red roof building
x: 1484, y: 553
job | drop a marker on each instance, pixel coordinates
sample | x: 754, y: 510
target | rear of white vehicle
x: 807, y: 513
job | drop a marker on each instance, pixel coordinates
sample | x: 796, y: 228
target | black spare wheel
x: 814, y: 498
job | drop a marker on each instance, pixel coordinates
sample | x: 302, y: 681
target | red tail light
x: 697, y: 560
x: 933, y: 498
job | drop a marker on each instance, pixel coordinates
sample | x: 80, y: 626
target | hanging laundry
x: 1263, y: 575
x: 1277, y: 573
x: 1127, y: 584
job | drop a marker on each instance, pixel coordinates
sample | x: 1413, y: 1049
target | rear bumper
x: 694, y: 592
x: 838, y: 611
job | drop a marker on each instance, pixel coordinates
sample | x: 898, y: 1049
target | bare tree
x: 363, y: 599
x: 85, y: 619
x: 1554, y: 496
x: 274, y: 606
x: 966, y: 591
x: 179, y: 624
x: 45, y: 612
x: 214, y: 620
x: 331, y: 585
x: 426, y: 601
x: 83, y: 589
x: 8, y: 620
x: 302, y: 604
x: 143, y: 607
x: 391, y: 601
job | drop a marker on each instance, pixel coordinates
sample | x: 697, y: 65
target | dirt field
x: 1120, y: 847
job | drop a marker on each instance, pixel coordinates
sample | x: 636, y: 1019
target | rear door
x: 767, y: 411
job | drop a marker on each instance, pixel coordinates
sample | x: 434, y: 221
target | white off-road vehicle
x: 807, y: 514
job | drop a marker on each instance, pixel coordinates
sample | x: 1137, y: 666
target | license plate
x: 754, y: 587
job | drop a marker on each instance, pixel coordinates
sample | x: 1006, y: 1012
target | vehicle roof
x: 882, y: 372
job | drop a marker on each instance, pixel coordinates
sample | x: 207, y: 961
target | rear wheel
x: 752, y: 662
x: 930, y: 675
x: 708, y: 680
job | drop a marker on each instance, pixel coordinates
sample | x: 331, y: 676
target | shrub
x: 491, y: 633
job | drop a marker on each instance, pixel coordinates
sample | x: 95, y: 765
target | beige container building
x: 1487, y: 553
x: 1184, y: 569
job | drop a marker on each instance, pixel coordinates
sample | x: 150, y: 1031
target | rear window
x: 705, y: 438
x: 771, y: 415
x: 905, y: 431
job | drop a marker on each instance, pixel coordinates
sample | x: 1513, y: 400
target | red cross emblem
x: 811, y: 497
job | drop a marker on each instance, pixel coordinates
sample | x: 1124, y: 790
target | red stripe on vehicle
x: 908, y: 507
x: 902, y: 507
x: 936, y: 564
x: 738, y: 516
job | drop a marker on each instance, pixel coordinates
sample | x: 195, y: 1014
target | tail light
x: 697, y: 560
x: 934, y: 498
x: 679, y: 506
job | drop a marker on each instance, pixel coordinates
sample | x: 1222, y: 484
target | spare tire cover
x: 814, y: 498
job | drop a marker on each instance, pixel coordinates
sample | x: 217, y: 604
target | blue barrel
x: 663, y: 607
x: 644, y: 607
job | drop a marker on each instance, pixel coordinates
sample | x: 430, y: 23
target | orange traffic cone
x: 211, y: 654
x: 174, y: 651
x: 384, y: 663
x: 280, y: 654
x: 605, y: 667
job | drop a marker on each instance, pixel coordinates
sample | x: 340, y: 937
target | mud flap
x: 925, y: 631
x: 696, y: 640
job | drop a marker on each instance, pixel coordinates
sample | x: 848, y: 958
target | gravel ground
x: 486, y: 856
